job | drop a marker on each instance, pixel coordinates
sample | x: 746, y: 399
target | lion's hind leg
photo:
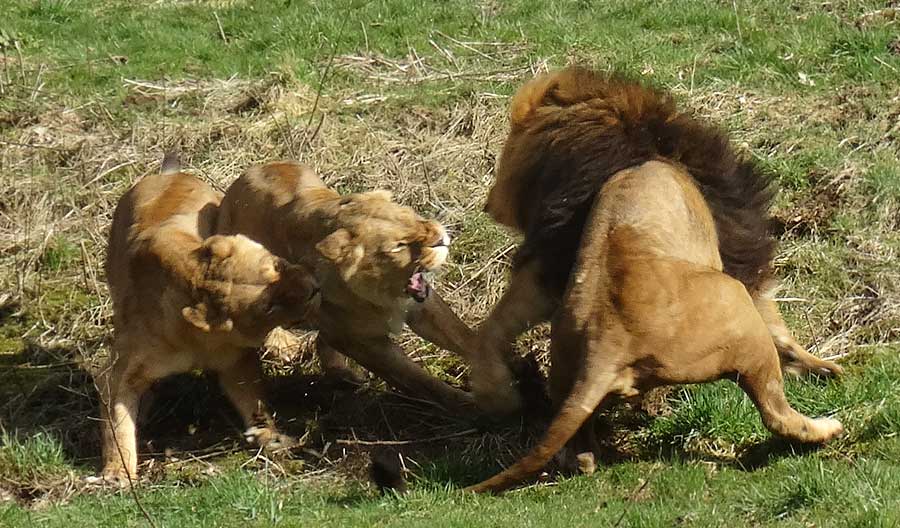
x: 755, y: 362
x: 760, y: 377
x: 794, y: 358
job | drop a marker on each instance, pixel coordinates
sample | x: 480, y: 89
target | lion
x: 672, y: 258
x: 184, y: 299
x: 370, y: 255
x: 571, y: 131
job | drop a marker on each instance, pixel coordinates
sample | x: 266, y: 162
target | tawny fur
x: 186, y: 299
x: 365, y: 248
x: 571, y: 132
x: 648, y: 304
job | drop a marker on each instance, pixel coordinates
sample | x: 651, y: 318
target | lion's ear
x: 218, y: 246
x: 383, y: 194
x: 203, y: 318
x: 338, y: 247
x: 333, y: 246
x: 531, y: 96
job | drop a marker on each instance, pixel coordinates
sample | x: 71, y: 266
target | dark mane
x: 604, y: 125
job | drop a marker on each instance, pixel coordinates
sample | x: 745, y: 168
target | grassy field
x: 411, y: 96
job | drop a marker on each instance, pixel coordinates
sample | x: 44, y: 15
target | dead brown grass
x: 65, y: 162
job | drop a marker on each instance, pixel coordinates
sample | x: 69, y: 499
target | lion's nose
x: 444, y: 240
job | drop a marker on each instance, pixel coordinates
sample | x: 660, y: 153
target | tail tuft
x: 171, y: 163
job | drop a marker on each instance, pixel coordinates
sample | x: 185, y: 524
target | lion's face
x: 382, y: 249
x: 248, y: 291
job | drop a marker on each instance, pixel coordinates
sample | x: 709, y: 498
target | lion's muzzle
x: 433, y: 257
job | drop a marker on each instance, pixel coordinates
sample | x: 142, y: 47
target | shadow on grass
x: 45, y: 392
x: 760, y: 455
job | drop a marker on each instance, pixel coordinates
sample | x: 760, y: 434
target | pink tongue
x: 416, y: 283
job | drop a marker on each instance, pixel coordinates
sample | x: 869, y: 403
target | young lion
x: 670, y: 259
x: 370, y: 254
x: 185, y: 299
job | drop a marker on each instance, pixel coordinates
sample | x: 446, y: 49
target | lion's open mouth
x: 418, y: 287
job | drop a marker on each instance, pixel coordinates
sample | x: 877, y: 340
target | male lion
x: 647, y: 302
x: 182, y: 301
x: 571, y: 132
x: 370, y: 254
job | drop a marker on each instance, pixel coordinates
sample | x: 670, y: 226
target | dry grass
x: 63, y: 169
x: 64, y: 165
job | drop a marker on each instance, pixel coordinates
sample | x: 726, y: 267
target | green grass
x: 37, y: 454
x: 414, y: 101
x: 764, y: 44
x: 792, y: 491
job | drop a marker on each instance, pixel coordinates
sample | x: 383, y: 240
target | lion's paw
x: 796, y: 361
x: 825, y: 429
x: 497, y: 398
x: 269, y: 438
x: 112, y: 477
x: 587, y: 464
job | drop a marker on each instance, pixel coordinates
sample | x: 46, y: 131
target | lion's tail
x: 586, y: 395
x: 171, y: 163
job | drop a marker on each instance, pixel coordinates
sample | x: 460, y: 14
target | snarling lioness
x: 571, y: 132
x: 370, y: 256
x: 183, y: 299
x: 666, y: 275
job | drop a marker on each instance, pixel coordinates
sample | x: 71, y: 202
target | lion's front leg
x: 243, y: 385
x: 524, y: 305
x: 388, y: 361
x: 434, y: 321
x: 336, y: 366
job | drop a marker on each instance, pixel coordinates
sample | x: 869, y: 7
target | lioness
x: 370, y: 255
x: 571, y: 131
x: 647, y: 302
x: 185, y: 299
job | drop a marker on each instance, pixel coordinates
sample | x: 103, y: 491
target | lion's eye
x: 399, y: 247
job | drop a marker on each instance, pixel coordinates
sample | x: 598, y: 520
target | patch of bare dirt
x: 894, y: 46
x: 814, y: 212
x: 884, y: 16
